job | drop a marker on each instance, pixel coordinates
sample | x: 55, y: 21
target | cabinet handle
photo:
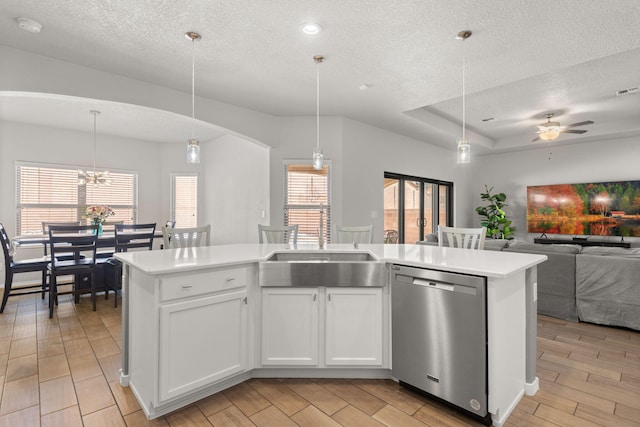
x: 314, y: 297
x: 244, y: 300
x: 230, y: 279
x: 187, y: 286
x: 329, y: 296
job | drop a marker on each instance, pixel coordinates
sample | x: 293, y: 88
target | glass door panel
x: 414, y: 206
x: 391, y: 208
x: 412, y: 212
x: 428, y: 216
x: 443, y: 200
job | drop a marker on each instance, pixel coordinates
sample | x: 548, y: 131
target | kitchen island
x: 197, y: 321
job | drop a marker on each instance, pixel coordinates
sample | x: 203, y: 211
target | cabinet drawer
x: 189, y: 285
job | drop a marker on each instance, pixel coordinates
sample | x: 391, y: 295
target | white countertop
x: 481, y: 263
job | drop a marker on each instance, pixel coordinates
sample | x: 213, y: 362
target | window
x: 184, y: 199
x: 415, y: 206
x: 306, y: 191
x: 51, y: 193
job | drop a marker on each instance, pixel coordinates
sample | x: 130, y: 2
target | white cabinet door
x: 201, y: 341
x: 353, y: 326
x: 290, y: 326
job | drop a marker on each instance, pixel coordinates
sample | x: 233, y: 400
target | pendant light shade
x: 193, y: 145
x: 464, y: 151
x: 318, y: 155
x: 93, y: 177
x: 464, y: 147
x: 193, y: 151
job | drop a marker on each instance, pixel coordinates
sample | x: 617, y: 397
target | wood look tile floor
x: 64, y: 372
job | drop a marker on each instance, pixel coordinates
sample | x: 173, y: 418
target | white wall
x: 22, y: 142
x: 296, y: 139
x: 368, y: 152
x: 236, y: 189
x: 511, y: 173
x: 24, y: 71
x: 359, y: 153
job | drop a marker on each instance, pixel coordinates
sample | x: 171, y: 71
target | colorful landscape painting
x: 597, y: 209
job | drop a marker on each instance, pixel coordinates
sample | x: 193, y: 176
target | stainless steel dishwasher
x: 439, y: 339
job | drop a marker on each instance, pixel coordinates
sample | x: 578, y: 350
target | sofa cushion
x: 556, y: 278
x: 489, y: 244
x: 540, y: 248
x: 606, y: 251
x: 608, y: 289
x: 495, y: 244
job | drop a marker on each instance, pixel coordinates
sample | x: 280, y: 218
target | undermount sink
x: 303, y: 269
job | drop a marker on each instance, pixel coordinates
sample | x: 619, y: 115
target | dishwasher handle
x: 433, y: 284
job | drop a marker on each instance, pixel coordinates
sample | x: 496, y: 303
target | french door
x: 414, y: 206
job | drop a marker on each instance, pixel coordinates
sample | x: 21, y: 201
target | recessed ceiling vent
x: 629, y: 91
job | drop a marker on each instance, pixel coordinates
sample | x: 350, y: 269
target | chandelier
x: 92, y: 177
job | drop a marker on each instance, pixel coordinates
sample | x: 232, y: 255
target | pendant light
x: 92, y: 177
x: 318, y: 155
x: 193, y: 145
x: 464, y: 148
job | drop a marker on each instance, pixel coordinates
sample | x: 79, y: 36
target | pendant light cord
x: 464, y: 104
x: 95, y: 145
x: 193, y: 85
x: 318, y: 106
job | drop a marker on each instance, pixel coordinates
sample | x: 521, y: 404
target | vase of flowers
x: 98, y: 214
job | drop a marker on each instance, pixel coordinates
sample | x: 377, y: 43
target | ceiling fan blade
x: 588, y: 122
x: 574, y: 131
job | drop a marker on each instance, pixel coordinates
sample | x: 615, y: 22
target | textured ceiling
x: 525, y: 58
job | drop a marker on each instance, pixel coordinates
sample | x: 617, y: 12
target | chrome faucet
x: 321, y: 229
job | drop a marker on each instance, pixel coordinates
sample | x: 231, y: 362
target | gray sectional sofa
x: 591, y: 284
x: 556, y: 278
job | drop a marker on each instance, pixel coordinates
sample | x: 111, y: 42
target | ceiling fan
x: 551, y: 130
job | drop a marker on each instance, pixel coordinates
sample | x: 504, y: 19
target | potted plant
x: 493, y: 215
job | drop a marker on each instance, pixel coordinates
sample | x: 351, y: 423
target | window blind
x: 306, y: 190
x: 184, y: 204
x: 46, y: 193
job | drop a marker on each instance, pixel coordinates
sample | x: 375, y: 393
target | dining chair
x: 45, y: 231
x: 168, y: 224
x: 354, y: 234
x: 278, y: 233
x: 12, y: 267
x: 186, y: 237
x: 391, y: 236
x: 127, y: 237
x: 466, y: 238
x: 79, y: 240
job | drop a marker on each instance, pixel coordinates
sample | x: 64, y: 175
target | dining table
x: 106, y: 239
x: 82, y: 284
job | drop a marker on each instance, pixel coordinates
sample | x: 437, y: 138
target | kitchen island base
x: 192, y: 323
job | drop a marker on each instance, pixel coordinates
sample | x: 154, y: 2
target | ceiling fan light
x: 548, y: 133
